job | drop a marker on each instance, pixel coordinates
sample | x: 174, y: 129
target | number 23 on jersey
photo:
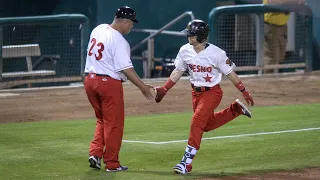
x: 100, y: 47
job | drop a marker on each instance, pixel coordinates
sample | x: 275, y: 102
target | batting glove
x: 160, y: 93
x: 245, y: 93
x: 247, y: 97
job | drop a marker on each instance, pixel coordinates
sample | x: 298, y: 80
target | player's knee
x: 198, y: 123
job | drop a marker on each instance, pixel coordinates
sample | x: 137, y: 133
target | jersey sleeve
x: 225, y: 65
x: 122, y: 56
x: 179, y: 63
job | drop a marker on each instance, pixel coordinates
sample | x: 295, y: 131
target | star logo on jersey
x: 207, y: 78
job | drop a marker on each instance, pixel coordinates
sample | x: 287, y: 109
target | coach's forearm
x: 133, y: 77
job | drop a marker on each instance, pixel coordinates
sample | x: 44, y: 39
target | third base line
x: 224, y: 137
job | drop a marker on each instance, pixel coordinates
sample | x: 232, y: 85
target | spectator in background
x: 275, y: 33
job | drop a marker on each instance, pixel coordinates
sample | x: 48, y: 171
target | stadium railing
x: 239, y: 30
x: 53, y: 49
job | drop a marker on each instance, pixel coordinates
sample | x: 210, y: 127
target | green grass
x: 59, y: 149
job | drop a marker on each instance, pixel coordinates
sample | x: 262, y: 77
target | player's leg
x: 97, y: 144
x: 270, y: 46
x: 203, y: 104
x: 111, y: 93
x: 226, y: 115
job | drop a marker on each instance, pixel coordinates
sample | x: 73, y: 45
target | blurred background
x: 59, y: 43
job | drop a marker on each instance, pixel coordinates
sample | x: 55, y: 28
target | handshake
x: 160, y: 93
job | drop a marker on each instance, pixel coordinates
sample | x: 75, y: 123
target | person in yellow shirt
x: 275, y: 33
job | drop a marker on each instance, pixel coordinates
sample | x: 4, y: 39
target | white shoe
x: 244, y: 108
x: 180, y: 169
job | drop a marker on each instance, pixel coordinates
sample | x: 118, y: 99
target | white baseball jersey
x: 205, y: 67
x: 108, y: 53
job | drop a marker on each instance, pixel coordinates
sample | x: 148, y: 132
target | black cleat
x: 244, y: 109
x: 95, y: 162
x: 120, y: 168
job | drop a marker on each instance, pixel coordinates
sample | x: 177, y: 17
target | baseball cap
x: 126, y: 12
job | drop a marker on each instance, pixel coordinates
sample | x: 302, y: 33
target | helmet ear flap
x: 201, y: 39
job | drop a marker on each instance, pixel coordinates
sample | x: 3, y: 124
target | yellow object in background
x: 279, y: 19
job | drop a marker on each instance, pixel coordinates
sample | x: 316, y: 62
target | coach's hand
x: 146, y: 91
x: 160, y: 93
x: 247, y: 97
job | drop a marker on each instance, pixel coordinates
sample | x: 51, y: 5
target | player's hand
x: 160, y: 93
x: 247, y: 97
x: 146, y: 91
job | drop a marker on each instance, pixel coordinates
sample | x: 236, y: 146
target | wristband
x: 240, y: 86
x: 169, y: 84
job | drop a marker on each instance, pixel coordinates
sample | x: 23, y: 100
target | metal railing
x: 19, y: 31
x: 148, y: 62
x: 258, y: 11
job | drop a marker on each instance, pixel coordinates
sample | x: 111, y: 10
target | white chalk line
x: 224, y: 137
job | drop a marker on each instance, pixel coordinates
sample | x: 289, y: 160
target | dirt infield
x: 72, y: 103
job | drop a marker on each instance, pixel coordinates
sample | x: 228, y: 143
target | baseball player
x: 206, y: 63
x: 108, y: 64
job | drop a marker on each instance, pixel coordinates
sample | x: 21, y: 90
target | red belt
x: 204, y: 88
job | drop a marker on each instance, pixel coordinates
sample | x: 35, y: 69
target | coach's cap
x: 126, y: 12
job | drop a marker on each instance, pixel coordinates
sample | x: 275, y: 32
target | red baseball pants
x: 204, y: 119
x: 106, y: 97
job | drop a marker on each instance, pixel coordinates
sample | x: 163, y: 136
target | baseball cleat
x: 120, y: 168
x: 244, y: 108
x: 180, y: 169
x: 95, y: 162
